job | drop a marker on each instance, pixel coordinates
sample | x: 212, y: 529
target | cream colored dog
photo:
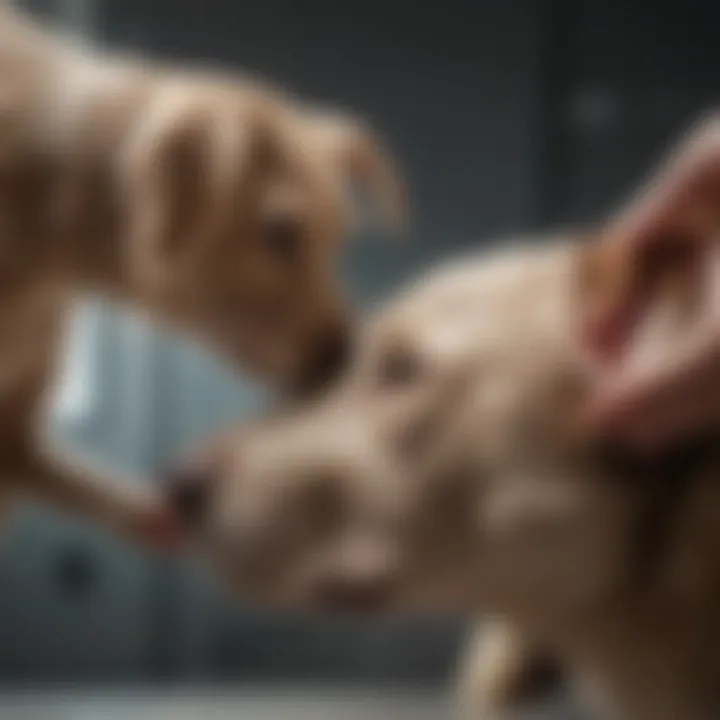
x: 213, y: 204
x: 446, y: 471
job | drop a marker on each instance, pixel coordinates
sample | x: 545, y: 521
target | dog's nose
x: 187, y: 489
x: 329, y: 354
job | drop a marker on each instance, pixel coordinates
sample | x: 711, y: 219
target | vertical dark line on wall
x: 552, y: 166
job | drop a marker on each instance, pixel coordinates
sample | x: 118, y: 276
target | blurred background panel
x: 506, y: 117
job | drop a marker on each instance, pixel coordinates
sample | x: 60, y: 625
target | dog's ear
x: 180, y: 169
x: 171, y: 191
x: 364, y: 164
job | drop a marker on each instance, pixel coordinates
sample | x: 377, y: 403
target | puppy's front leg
x: 91, y: 493
x: 500, y: 671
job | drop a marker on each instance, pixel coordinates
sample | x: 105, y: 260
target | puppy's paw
x: 501, y: 673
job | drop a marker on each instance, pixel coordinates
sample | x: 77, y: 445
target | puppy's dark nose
x: 187, y: 488
x: 329, y: 355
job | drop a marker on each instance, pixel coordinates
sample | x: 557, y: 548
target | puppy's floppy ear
x: 179, y: 168
x: 365, y: 164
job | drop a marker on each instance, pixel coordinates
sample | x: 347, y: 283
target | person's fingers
x: 674, y: 392
x: 675, y: 395
x: 638, y: 277
x: 667, y: 231
x: 651, y: 405
x: 683, y: 198
x: 671, y: 222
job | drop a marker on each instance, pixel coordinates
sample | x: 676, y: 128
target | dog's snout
x: 329, y: 354
x: 187, y: 489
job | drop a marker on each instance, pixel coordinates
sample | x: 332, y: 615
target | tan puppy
x: 214, y: 204
x: 445, y: 472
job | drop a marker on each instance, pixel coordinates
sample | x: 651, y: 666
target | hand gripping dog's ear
x: 364, y: 164
x: 656, y: 245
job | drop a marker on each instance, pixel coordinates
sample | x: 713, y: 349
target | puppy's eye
x: 399, y: 367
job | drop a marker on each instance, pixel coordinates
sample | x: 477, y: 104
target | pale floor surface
x: 253, y: 704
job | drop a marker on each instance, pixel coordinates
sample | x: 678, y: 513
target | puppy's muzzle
x: 329, y: 355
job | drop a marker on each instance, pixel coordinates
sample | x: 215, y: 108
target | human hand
x: 677, y: 217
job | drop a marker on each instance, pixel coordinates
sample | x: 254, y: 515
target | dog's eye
x: 399, y: 367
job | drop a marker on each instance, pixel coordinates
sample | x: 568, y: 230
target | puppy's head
x: 238, y: 202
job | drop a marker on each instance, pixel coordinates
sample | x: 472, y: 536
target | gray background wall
x: 506, y: 115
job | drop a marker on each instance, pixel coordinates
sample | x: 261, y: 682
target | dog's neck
x: 652, y: 650
x: 650, y: 660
